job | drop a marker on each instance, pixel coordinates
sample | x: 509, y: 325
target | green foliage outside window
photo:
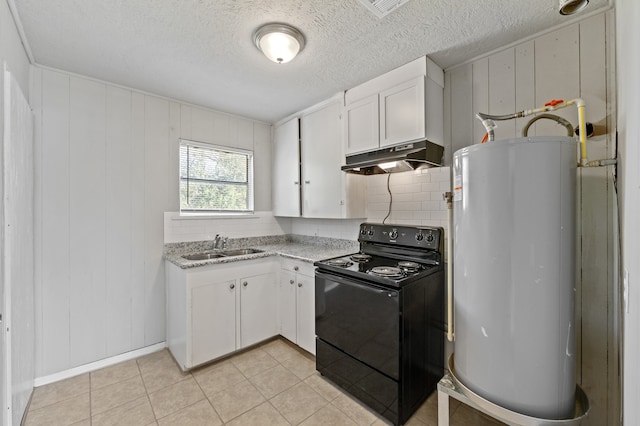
x: 215, y: 178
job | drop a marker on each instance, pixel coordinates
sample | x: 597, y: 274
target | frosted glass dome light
x: 279, y: 42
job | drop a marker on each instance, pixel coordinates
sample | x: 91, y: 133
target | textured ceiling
x: 201, y: 51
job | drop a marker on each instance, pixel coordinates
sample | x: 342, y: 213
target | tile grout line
x: 206, y: 397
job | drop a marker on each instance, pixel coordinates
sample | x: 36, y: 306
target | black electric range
x: 380, y: 318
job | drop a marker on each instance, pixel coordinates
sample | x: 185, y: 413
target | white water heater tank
x: 514, y: 273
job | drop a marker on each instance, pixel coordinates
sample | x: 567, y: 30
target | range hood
x: 401, y: 158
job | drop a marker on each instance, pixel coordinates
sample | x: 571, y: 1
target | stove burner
x: 409, y: 266
x: 342, y: 263
x: 387, y: 272
x: 361, y: 257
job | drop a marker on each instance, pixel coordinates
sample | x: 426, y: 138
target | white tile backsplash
x: 417, y: 197
x: 346, y: 229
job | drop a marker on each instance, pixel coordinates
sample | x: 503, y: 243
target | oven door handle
x: 355, y: 282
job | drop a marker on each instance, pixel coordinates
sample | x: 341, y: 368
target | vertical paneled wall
x: 106, y: 171
x: 574, y: 61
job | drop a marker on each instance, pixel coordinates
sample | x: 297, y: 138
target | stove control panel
x: 410, y: 236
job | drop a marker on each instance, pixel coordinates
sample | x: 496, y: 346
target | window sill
x: 209, y: 216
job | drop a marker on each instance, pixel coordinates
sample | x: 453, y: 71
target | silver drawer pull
x: 232, y: 286
x: 245, y: 283
x: 299, y: 284
x: 290, y: 281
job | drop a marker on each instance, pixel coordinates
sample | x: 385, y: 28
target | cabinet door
x: 287, y: 305
x: 402, y: 113
x: 361, y: 125
x: 321, y: 152
x: 258, y: 309
x: 213, y: 321
x: 286, y: 169
x: 306, y: 313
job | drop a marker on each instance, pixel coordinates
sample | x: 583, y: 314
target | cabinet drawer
x: 298, y: 266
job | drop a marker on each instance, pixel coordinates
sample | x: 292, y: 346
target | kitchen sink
x: 203, y: 256
x: 240, y: 252
x: 221, y: 253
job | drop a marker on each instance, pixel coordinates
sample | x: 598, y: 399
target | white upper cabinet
x: 327, y: 192
x: 361, y: 125
x: 403, y: 105
x: 286, y: 169
x: 402, y: 115
x: 321, y: 153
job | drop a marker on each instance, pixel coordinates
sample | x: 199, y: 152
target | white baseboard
x: 93, y: 366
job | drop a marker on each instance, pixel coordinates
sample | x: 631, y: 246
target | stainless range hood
x: 401, y: 158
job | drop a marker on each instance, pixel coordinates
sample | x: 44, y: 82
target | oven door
x: 360, y: 319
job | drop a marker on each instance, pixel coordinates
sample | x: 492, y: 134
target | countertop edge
x: 302, y: 252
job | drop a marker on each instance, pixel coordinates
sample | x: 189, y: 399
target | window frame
x: 250, y: 199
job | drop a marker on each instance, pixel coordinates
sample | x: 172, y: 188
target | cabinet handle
x: 295, y: 268
x: 245, y: 283
x: 290, y: 281
x: 296, y: 183
x: 232, y: 286
x: 307, y: 181
x: 299, y: 284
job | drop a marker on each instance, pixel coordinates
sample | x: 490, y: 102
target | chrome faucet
x: 216, y: 242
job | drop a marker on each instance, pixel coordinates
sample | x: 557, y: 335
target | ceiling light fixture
x: 279, y: 42
x: 569, y: 7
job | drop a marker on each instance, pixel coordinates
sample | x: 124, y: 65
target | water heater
x: 514, y: 273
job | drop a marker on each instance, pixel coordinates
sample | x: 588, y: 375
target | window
x: 215, y: 178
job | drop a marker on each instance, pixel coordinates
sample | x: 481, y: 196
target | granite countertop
x: 303, y: 248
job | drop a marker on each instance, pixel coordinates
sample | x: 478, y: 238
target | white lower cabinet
x: 258, y: 309
x: 212, y: 321
x: 296, y: 303
x: 216, y: 309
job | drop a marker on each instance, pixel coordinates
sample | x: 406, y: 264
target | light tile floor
x: 272, y: 384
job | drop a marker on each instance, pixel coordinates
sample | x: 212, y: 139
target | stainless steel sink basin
x: 240, y: 252
x: 203, y: 256
x: 221, y: 253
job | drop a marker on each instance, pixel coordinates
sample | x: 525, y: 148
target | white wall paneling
x: 524, y: 81
x: 461, y: 109
x: 16, y: 237
x: 564, y: 64
x: 179, y: 229
x: 53, y: 267
x: 597, y: 186
x: 628, y: 67
x: 13, y: 54
x: 262, y: 169
x: 156, y: 137
x: 137, y: 236
x: 119, y: 168
x: 480, y: 95
x: 107, y: 170
x: 502, y: 84
x: 557, y: 73
x: 87, y: 217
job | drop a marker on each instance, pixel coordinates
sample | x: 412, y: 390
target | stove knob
x: 430, y: 238
x: 363, y: 231
x: 419, y: 237
x: 371, y: 231
x: 393, y: 234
